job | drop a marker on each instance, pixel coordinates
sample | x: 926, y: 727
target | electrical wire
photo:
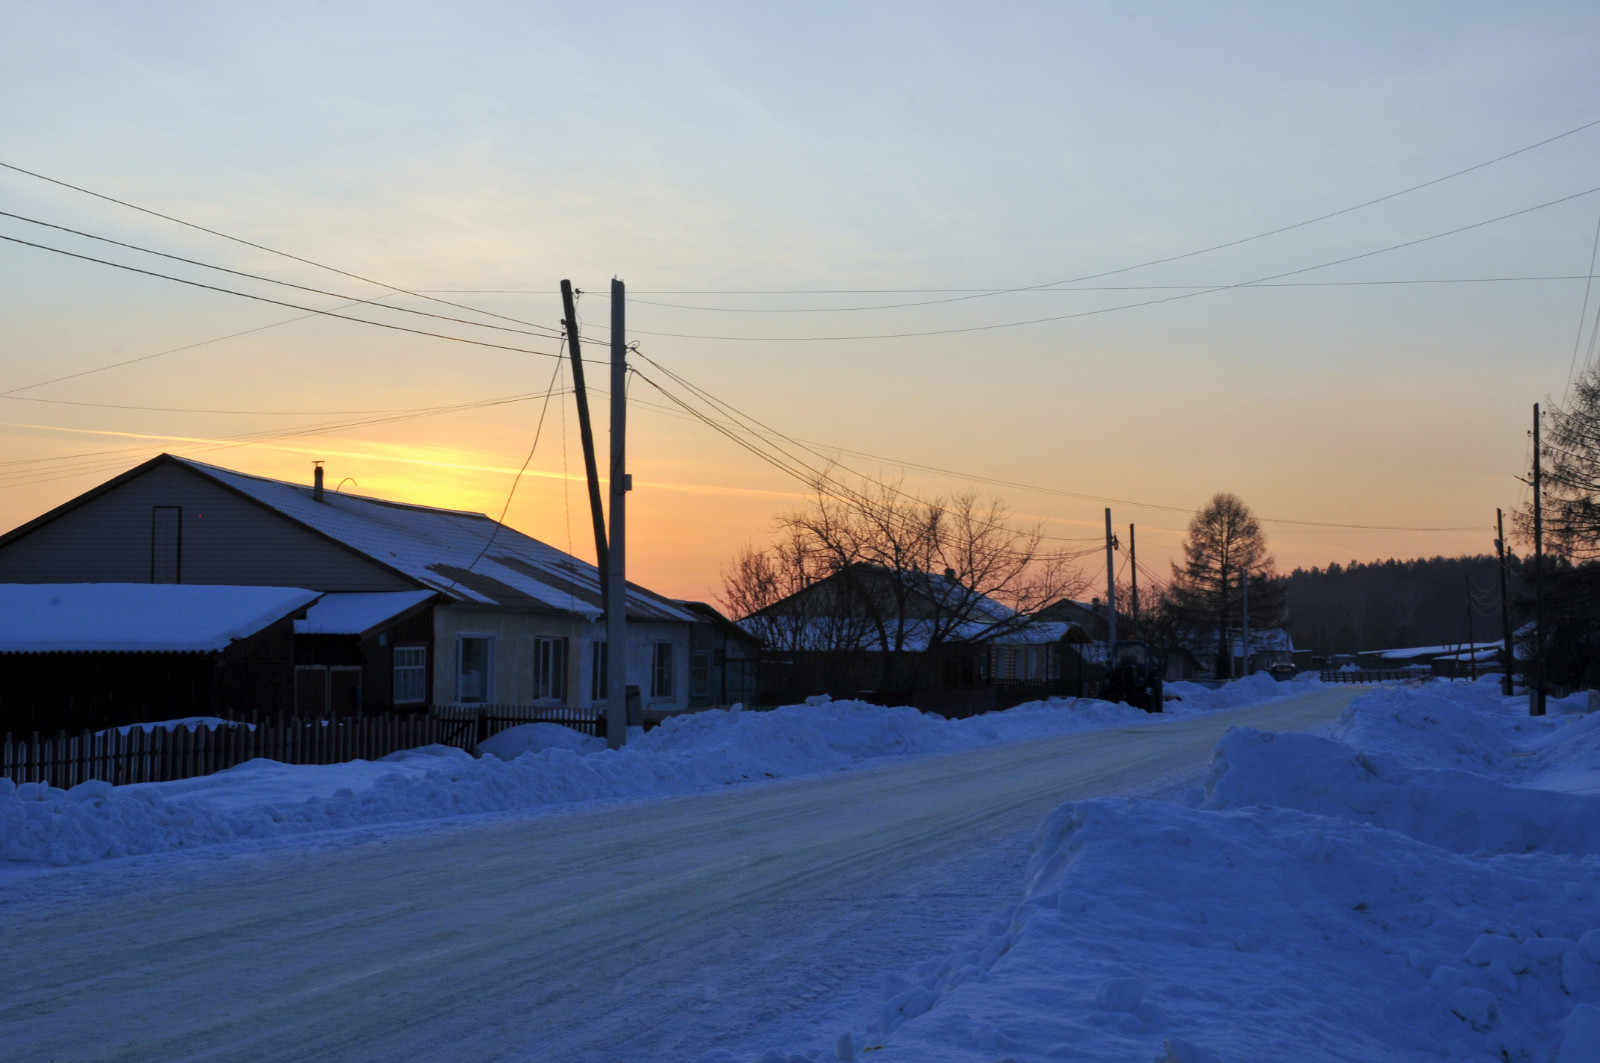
x: 1124, y: 306
x: 393, y: 289
x: 1583, y: 314
x: 517, y: 479
x: 268, y: 280
x: 277, y: 302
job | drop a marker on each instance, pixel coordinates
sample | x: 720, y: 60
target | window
x: 166, y: 544
x: 700, y: 673
x: 599, y: 670
x: 410, y: 675
x: 474, y: 668
x: 550, y: 669
x: 661, y: 670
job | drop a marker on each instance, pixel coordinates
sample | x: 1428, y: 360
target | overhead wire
x: 394, y: 289
x: 991, y: 326
x: 350, y: 299
x: 276, y: 302
x: 1583, y: 314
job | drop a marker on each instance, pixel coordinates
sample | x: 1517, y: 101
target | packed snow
x: 138, y: 617
x: 1422, y: 884
x: 534, y: 766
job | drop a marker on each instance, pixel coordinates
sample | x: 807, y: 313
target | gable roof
x: 437, y: 549
x: 138, y: 617
x: 441, y: 548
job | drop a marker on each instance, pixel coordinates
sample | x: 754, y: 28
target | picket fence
x: 164, y: 754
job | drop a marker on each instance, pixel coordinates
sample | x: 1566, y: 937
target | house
x: 724, y: 660
x: 98, y: 655
x: 912, y: 637
x: 434, y: 606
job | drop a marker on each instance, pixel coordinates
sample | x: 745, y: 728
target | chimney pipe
x: 316, y: 483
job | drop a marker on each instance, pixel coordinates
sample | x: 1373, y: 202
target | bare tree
x: 871, y: 568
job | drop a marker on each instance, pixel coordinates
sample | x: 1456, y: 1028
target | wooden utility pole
x: 615, y: 573
x: 1536, y: 695
x: 1505, y: 602
x: 1133, y: 574
x: 1244, y: 621
x: 596, y: 514
x: 1472, y: 638
x: 1111, y: 591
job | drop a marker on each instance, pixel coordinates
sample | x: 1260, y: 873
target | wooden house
x: 484, y: 614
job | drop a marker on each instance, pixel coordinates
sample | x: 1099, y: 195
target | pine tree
x: 1224, y: 541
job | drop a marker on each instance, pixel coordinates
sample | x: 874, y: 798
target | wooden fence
x: 164, y: 754
x: 467, y: 725
x: 1363, y: 676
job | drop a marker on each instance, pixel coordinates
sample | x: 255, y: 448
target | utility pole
x: 1536, y: 695
x: 1133, y: 574
x: 1111, y: 591
x: 596, y: 514
x: 1472, y: 639
x: 1244, y: 620
x: 616, y: 581
x: 1505, y: 603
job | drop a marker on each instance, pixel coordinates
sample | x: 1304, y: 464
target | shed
x: 77, y: 655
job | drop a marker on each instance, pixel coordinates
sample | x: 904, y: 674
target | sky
x: 774, y: 184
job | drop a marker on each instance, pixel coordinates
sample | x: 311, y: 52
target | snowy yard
x: 1416, y: 881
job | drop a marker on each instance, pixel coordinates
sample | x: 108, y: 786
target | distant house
x: 724, y: 660
x: 98, y: 655
x: 423, y: 606
x: 909, y: 637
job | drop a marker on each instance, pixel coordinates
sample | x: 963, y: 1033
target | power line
x: 1125, y: 306
x: 987, y: 293
x: 268, y: 280
x: 249, y: 243
x: 278, y: 302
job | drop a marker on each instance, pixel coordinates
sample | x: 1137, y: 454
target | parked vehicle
x: 1134, y: 677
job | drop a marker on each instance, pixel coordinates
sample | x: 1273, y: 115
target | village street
x: 670, y: 929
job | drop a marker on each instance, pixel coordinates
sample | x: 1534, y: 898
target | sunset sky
x: 775, y: 184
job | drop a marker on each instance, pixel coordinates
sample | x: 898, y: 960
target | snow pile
x: 529, y: 767
x: 1390, y: 895
x: 1191, y: 697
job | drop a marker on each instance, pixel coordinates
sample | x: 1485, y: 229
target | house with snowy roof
x: 418, y: 606
x: 872, y: 631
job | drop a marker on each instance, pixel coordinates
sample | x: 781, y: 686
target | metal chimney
x: 316, y: 483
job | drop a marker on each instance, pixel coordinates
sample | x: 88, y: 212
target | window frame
x: 661, y: 678
x: 549, y: 668
x: 411, y: 670
x: 699, y: 673
x: 488, y: 639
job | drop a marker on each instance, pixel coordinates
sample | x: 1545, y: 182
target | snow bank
x: 1400, y: 893
x: 1195, y: 697
x: 528, y: 767
x: 1454, y: 810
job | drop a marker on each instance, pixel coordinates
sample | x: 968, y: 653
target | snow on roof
x: 356, y: 614
x: 440, y: 548
x: 1412, y: 652
x: 137, y: 617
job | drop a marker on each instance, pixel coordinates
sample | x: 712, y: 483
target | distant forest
x: 1391, y: 604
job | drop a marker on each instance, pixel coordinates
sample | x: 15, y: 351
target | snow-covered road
x: 666, y: 929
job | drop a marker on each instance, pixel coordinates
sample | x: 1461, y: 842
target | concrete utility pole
x: 1244, y: 625
x: 1111, y: 590
x: 1536, y: 695
x: 616, y: 580
x: 1133, y: 574
x: 1505, y: 602
x: 596, y: 514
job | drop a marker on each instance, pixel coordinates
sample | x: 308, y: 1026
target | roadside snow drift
x: 1412, y: 891
x: 530, y: 767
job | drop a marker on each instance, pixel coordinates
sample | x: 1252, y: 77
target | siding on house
x: 222, y: 539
